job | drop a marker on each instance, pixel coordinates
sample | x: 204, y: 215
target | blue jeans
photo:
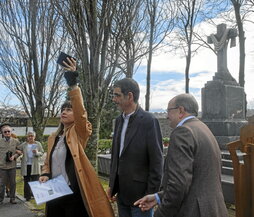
x: 132, y: 211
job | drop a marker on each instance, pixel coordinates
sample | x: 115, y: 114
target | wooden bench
x: 243, y: 171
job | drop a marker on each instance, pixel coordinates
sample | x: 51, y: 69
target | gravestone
x: 224, y: 105
x: 223, y: 99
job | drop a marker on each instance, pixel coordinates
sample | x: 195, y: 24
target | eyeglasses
x: 169, y: 109
x: 7, y: 131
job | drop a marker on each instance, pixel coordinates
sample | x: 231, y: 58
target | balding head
x: 180, y: 107
x: 188, y: 102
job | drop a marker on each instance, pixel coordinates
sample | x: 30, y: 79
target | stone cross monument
x: 223, y: 104
x: 220, y: 41
x: 223, y: 100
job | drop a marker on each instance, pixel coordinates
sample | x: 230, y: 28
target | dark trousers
x: 66, y: 206
x: 10, y: 176
x: 29, y: 178
x: 131, y: 211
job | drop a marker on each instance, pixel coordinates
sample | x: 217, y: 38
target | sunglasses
x: 7, y: 131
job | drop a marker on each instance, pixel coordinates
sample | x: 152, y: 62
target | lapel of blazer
x: 118, y: 130
x: 133, y: 125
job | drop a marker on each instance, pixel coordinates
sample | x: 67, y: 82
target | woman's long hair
x: 60, y: 129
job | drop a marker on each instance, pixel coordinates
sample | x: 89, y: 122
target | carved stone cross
x: 220, y: 41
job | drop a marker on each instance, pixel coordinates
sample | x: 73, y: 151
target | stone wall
x: 165, y: 128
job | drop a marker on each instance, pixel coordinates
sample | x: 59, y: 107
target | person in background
x: 66, y: 157
x: 30, y: 167
x: 8, y: 155
x: 191, y: 185
x: 136, y: 158
x: 7, y: 186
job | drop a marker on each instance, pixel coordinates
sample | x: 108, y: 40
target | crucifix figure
x: 220, y: 41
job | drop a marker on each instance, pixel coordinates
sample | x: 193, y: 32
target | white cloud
x: 203, y: 68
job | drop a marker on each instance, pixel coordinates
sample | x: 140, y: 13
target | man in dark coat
x: 192, y: 171
x: 136, y: 160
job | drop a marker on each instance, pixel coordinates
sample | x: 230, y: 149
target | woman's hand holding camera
x: 70, y: 65
x: 71, y: 75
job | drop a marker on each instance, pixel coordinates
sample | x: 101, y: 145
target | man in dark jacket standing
x: 192, y: 172
x: 136, y: 160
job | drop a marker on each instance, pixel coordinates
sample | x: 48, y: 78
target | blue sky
x: 168, y: 80
x: 168, y: 77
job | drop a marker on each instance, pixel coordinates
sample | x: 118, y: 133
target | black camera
x: 63, y: 57
x: 8, y: 156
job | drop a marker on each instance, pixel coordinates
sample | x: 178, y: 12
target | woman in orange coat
x: 66, y: 157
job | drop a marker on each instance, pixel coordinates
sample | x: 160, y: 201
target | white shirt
x: 58, y: 160
x: 125, y: 125
x: 185, y: 119
x: 30, y: 154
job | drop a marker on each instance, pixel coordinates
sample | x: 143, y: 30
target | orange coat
x: 77, y: 135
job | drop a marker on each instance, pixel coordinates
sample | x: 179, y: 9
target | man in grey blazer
x: 136, y: 158
x: 191, y: 185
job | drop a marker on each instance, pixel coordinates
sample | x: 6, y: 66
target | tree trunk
x: 92, y: 146
x: 187, y: 70
x: 241, y: 43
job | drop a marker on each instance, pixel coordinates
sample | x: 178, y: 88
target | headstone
x: 223, y: 105
x: 223, y: 100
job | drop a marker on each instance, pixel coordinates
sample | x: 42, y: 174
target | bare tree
x: 188, y: 17
x: 130, y: 16
x: 161, y: 23
x: 241, y: 10
x: 95, y: 29
x: 237, y: 6
x: 30, y: 38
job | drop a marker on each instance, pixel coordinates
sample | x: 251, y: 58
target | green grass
x: 35, y: 207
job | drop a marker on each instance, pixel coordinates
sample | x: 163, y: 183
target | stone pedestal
x: 223, y: 109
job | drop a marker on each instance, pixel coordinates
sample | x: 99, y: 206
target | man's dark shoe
x: 12, y: 201
x: 27, y: 199
x: 1, y: 202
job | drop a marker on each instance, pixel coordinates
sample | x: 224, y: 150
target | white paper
x: 53, y: 188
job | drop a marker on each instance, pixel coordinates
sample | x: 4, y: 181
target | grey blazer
x: 138, y: 170
x: 191, y: 184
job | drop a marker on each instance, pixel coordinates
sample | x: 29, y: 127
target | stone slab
x: 225, y: 127
x: 222, y: 102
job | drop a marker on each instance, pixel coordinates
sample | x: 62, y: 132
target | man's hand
x: 111, y: 199
x: 146, y: 203
x: 12, y: 158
